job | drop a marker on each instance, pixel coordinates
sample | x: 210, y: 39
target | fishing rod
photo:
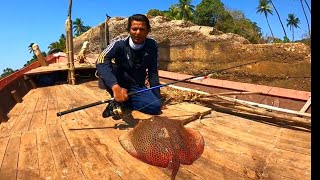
x: 202, y: 77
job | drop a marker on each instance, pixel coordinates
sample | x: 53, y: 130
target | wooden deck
x: 36, y: 144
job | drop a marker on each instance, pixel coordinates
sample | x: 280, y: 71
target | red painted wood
x: 238, y: 86
x: 7, y: 80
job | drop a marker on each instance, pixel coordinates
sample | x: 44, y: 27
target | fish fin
x: 126, y: 144
x: 195, y: 147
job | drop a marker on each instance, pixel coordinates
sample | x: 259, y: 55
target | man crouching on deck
x: 124, y: 65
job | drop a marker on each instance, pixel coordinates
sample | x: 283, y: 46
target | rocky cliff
x: 187, y: 48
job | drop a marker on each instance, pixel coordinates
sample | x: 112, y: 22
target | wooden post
x: 82, y: 55
x: 39, y: 55
x: 106, y: 30
x: 16, y: 96
x: 31, y: 81
x: 306, y: 106
x: 3, y: 116
x: 67, y: 49
x: 71, y: 78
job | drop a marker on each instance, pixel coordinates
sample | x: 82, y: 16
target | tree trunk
x: 304, y: 12
x: 279, y: 19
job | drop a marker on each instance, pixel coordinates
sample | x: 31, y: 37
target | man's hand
x: 120, y: 94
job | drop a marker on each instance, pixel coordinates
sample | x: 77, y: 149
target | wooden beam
x: 31, y: 81
x: 3, y: 116
x: 16, y: 96
x: 39, y: 55
x: 258, y: 110
x: 268, y: 107
x: 306, y: 106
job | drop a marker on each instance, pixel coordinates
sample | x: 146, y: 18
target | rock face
x: 187, y: 48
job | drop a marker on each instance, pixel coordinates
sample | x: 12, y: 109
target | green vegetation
x: 6, y: 72
x: 293, y: 22
x: 79, y: 27
x: 213, y: 13
x: 265, y: 8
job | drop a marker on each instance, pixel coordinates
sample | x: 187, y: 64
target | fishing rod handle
x: 83, y: 107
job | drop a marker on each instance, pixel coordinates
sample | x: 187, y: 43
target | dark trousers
x: 146, y: 102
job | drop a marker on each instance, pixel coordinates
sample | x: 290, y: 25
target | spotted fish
x: 162, y: 142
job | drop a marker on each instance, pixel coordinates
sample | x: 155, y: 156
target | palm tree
x: 60, y: 44
x: 186, y: 10
x: 6, y: 72
x: 293, y: 22
x: 265, y: 8
x: 30, y: 48
x: 174, y: 12
x: 304, y: 12
x: 274, y: 7
x: 78, y: 26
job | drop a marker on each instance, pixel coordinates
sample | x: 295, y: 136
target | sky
x: 42, y: 22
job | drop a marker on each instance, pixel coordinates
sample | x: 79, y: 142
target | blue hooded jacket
x: 118, y: 64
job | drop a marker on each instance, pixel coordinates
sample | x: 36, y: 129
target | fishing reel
x: 113, y: 109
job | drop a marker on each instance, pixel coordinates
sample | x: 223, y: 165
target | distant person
x: 125, y: 65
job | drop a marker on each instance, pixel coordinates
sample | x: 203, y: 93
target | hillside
x: 191, y: 49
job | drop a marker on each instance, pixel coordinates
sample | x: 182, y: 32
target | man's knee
x: 153, y: 108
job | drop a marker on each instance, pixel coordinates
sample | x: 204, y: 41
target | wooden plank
x: 93, y: 164
x: 65, y: 162
x: 15, y: 114
x: 108, y: 148
x: 17, y: 123
x: 204, y: 168
x: 306, y: 106
x: 294, y: 146
x: 227, y: 134
x: 47, y: 169
x: 235, y: 132
x: 6, y: 127
x: 86, y: 155
x: 229, y: 165
x: 23, y: 124
x: 244, y: 125
x: 243, y: 157
x: 303, y: 136
x: 28, y: 166
x: 191, y: 107
x: 17, y: 109
x: 10, y: 161
x: 183, y: 116
x: 289, y: 165
x: 52, y: 109
x: 38, y: 119
x: 3, y: 146
x: 239, y: 151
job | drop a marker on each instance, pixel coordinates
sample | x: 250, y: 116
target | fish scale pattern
x: 163, y: 142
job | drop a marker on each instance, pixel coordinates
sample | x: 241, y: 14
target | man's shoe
x: 107, y: 112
